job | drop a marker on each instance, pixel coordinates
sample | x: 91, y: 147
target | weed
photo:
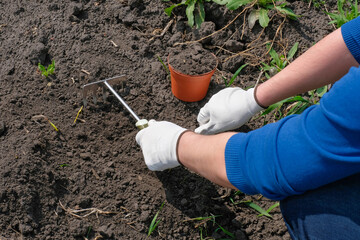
x: 228, y: 84
x: 261, y: 13
x: 47, y: 71
x: 64, y: 165
x: 270, y: 208
x: 78, y: 113
x: 256, y: 207
x: 194, y: 11
x: 37, y: 117
x: 278, y: 62
x: 298, y: 104
x: 163, y: 64
x: 154, y: 223
x: 347, y: 10
x: 316, y: 3
x: 202, y: 226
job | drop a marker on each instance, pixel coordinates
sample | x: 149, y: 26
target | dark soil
x: 192, y: 59
x: 95, y: 163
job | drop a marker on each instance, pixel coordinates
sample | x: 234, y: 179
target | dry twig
x: 163, y: 31
x: 87, y: 211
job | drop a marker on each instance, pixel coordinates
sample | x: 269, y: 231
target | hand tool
x: 94, y: 86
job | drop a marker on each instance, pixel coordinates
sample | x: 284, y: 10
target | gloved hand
x: 226, y: 110
x: 159, y: 144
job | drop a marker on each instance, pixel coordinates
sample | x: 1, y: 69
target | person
x: 310, y: 161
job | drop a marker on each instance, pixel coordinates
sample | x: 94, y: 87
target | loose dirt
x: 192, y: 59
x: 93, y: 165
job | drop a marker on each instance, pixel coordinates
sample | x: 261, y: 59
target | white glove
x: 159, y: 144
x: 227, y: 110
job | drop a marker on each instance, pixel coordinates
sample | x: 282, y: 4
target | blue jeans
x: 330, y: 212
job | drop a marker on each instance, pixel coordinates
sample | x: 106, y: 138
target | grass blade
x: 236, y: 74
x: 257, y: 208
x: 154, y: 223
x: 270, y: 208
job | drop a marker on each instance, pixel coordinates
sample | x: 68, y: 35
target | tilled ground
x: 88, y: 180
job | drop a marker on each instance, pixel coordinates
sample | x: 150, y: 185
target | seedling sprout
x: 154, y: 223
x: 163, y: 64
x: 36, y: 117
x: 47, y: 71
x: 204, y: 220
x: 235, y: 75
x: 78, y: 113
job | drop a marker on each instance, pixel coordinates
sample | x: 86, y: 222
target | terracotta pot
x: 190, y: 88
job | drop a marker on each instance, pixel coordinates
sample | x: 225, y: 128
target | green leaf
x: 257, y: 208
x: 253, y: 17
x: 190, y: 12
x: 200, y: 14
x: 263, y: 17
x: 273, y: 107
x: 225, y: 231
x: 236, y: 74
x: 154, y: 223
x: 41, y: 68
x: 271, y: 208
x: 274, y: 55
x: 265, y: 3
x: 321, y: 91
x: 292, y: 51
x: 221, y: 2
x: 169, y: 10
x: 287, y: 12
x: 235, y: 4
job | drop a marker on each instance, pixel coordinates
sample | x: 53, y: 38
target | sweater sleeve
x: 303, y: 152
x: 351, y: 35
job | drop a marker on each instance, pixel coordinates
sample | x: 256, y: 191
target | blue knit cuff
x: 234, y: 162
x: 351, y: 35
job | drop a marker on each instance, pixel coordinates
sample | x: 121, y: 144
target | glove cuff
x: 253, y: 105
x: 255, y: 97
x: 174, y: 152
x: 177, y: 145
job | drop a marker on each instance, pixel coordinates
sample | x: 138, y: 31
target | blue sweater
x: 303, y: 152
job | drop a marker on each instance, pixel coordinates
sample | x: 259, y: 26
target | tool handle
x: 142, y: 123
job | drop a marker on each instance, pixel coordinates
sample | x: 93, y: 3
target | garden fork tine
x: 93, y: 87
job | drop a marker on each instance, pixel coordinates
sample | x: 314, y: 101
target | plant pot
x: 190, y: 88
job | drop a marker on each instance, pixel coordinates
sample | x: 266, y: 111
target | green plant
x: 256, y: 207
x: 270, y: 208
x: 154, y: 223
x: 317, y: 3
x: 297, y: 104
x: 278, y: 62
x: 194, y: 11
x: 347, y: 10
x: 163, y: 64
x: 228, y: 84
x: 202, y: 226
x: 261, y: 12
x: 47, y: 71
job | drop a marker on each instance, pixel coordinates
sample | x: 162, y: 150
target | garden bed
x: 92, y: 163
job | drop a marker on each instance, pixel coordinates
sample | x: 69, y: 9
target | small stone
x: 85, y: 156
x: 183, y: 201
x: 69, y: 154
x: 25, y: 229
x: 144, y: 216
